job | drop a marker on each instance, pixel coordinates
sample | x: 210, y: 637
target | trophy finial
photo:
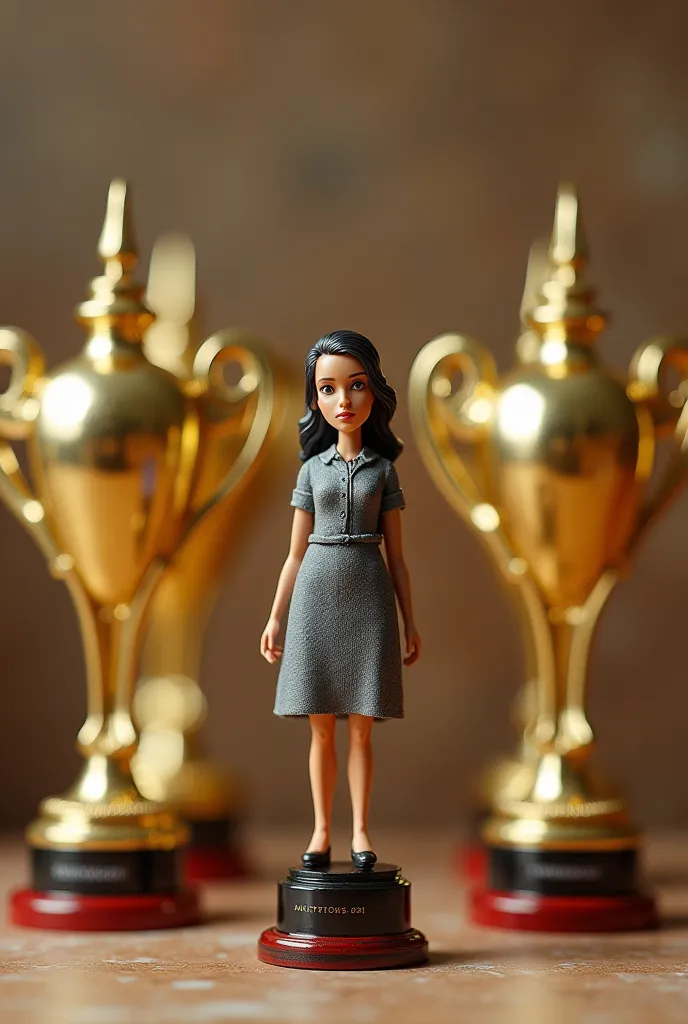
x: 566, y: 304
x: 537, y: 269
x: 114, y: 295
x: 172, y: 341
x: 117, y: 243
x: 569, y: 244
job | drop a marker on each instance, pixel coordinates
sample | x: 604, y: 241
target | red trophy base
x: 214, y: 864
x: 336, y: 953
x: 527, y: 911
x: 471, y: 863
x: 64, y: 911
x: 215, y: 851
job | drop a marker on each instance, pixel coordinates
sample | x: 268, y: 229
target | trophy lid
x: 565, y: 305
x: 114, y: 296
x: 529, y: 341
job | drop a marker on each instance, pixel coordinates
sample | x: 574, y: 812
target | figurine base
x: 65, y: 911
x: 528, y: 911
x: 343, y: 918
x: 215, y: 853
x: 333, y: 953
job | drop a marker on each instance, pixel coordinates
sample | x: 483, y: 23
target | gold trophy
x: 169, y: 705
x: 558, y: 494
x: 118, y: 452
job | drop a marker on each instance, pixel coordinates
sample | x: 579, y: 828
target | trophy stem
x: 112, y: 639
x: 108, y: 730
x: 557, y: 831
x: 570, y: 726
x: 560, y: 724
x: 170, y: 708
x: 557, y: 738
x: 574, y: 721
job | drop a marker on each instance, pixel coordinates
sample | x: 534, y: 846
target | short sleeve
x: 392, y: 494
x: 303, y: 492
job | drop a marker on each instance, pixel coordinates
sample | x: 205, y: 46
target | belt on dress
x: 346, y: 538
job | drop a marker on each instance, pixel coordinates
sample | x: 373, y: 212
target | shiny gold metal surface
x: 169, y: 705
x: 557, y: 490
x: 119, y: 454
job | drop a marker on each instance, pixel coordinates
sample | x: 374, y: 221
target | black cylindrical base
x: 343, y: 918
x: 563, y: 872
x: 344, y: 901
x: 106, y: 872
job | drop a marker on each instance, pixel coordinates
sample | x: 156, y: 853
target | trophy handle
x: 232, y: 346
x: 668, y: 413
x: 18, y: 410
x: 438, y: 416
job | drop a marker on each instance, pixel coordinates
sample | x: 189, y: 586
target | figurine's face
x: 344, y: 394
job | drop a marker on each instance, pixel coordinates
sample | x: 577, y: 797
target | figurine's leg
x: 360, y: 778
x: 322, y: 764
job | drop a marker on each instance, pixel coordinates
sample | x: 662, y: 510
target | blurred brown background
x: 383, y: 165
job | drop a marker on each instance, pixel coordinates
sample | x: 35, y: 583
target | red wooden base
x: 471, y: 863
x: 214, y: 864
x: 332, y: 953
x: 530, y: 912
x: 65, y: 911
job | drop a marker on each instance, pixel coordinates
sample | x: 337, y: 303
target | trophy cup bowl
x: 116, y: 448
x: 557, y: 491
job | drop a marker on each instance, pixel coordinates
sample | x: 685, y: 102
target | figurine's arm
x: 391, y: 531
x: 302, y: 527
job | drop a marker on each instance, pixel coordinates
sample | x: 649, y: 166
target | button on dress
x: 342, y: 652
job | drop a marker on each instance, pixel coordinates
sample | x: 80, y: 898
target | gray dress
x: 341, y: 650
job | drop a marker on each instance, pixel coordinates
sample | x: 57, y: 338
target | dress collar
x: 365, y: 455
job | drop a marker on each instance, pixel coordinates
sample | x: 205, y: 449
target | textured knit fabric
x: 342, y: 653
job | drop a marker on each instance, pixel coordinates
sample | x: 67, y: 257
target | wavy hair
x: 315, y: 432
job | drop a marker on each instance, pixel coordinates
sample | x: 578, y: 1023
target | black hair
x: 315, y: 432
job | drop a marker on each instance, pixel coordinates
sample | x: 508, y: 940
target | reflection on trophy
x: 558, y: 494
x: 118, y: 452
x: 169, y: 706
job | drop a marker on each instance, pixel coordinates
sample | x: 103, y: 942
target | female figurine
x: 341, y: 653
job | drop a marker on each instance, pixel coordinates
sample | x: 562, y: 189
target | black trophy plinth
x: 105, y: 890
x: 343, y: 918
x: 563, y: 890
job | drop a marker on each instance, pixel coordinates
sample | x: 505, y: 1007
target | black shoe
x: 364, y: 859
x: 316, y: 860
